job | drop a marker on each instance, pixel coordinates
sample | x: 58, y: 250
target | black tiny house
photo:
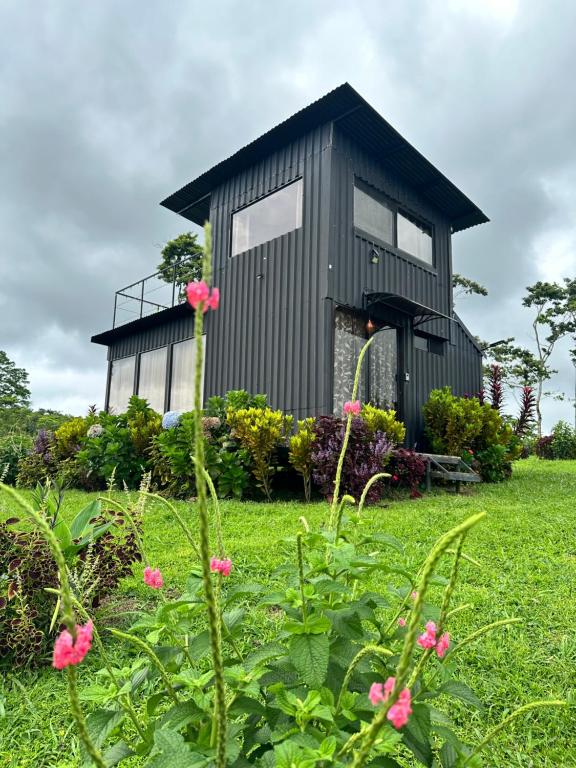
x: 327, y: 228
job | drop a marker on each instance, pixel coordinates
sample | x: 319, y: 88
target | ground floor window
x: 182, y: 379
x: 152, y: 378
x: 121, y: 383
x: 378, y: 379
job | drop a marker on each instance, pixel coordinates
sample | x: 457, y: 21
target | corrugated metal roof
x: 361, y: 121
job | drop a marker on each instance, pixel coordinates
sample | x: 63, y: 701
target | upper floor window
x: 383, y: 220
x: 273, y: 216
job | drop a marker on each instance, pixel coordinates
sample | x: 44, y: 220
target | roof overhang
x: 107, y: 338
x: 359, y: 120
x: 419, y: 313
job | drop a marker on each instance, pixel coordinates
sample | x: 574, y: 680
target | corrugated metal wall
x: 269, y: 335
x: 169, y: 332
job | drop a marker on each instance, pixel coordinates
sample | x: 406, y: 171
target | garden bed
x: 527, y: 558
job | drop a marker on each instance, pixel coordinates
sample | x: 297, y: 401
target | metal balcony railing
x: 162, y: 290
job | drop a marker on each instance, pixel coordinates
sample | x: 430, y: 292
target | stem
x: 369, y: 484
x: 345, y: 500
x: 153, y: 658
x: 301, y: 575
x: 377, y: 650
x: 337, y: 480
x: 216, y: 505
x: 133, y: 525
x: 526, y: 708
x: 219, y: 721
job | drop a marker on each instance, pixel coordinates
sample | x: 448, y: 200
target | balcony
x: 155, y: 293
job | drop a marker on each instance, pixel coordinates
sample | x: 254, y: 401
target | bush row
x: 561, y: 444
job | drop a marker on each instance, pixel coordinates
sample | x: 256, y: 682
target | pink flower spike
x: 399, y: 712
x: 214, y: 564
x: 428, y: 639
x: 352, y: 407
x: 401, y: 621
x: 225, y: 567
x: 153, y: 578
x: 214, y: 299
x: 414, y: 595
x: 197, y: 292
x: 442, y: 645
x: 67, y: 652
x: 376, y: 695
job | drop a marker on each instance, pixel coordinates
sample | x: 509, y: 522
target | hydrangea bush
x: 345, y: 676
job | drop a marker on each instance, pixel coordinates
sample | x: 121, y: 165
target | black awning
x: 418, y: 312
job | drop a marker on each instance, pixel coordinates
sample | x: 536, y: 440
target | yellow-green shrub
x: 378, y: 420
x: 70, y: 435
x: 300, y: 453
x: 260, y: 431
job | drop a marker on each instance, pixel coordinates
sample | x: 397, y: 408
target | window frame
x: 259, y: 200
x: 396, y: 209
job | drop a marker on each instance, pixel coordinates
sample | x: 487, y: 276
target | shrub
x: 365, y: 456
x: 543, y: 447
x: 407, y: 470
x: 493, y: 464
x: 70, y: 436
x: 300, y: 453
x: 452, y: 423
x: 40, y: 464
x: 260, y: 431
x: 563, y: 441
x: 170, y: 458
x: 378, y: 420
x: 13, y: 449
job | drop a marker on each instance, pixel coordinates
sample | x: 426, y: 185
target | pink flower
x: 213, y: 300
x: 401, y: 710
x: 414, y: 595
x: 221, y: 566
x: 352, y: 407
x: 442, y: 645
x: 428, y: 639
x: 395, y: 478
x: 67, y: 651
x: 401, y: 622
x: 153, y: 578
x: 197, y: 292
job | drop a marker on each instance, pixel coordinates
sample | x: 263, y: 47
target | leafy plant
x: 260, y: 431
x: 452, y: 423
x: 40, y: 464
x: 378, y: 420
x: 365, y: 456
x: 407, y: 470
x: 493, y: 463
x: 70, y: 436
x: 300, y: 453
x: 563, y: 441
x: 13, y: 449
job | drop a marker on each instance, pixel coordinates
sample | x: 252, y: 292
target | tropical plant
x: 300, y: 453
x: 378, y: 420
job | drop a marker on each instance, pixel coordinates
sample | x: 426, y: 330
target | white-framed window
x: 182, y: 380
x: 152, y: 377
x: 121, y: 383
x: 268, y: 218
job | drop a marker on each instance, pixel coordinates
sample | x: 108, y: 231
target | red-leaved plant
x: 343, y: 675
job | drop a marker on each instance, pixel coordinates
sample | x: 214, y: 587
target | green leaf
x: 309, y: 654
x: 117, y: 752
x: 101, y: 723
x: 83, y: 518
x: 461, y: 691
x: 171, y: 751
x: 180, y: 715
x: 416, y: 734
x: 233, y: 619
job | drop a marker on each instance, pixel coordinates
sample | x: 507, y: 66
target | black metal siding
x: 350, y: 253
x: 161, y: 335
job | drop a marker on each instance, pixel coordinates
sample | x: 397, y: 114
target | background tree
x: 14, y: 389
x: 554, y: 319
x: 463, y: 286
x: 182, y: 260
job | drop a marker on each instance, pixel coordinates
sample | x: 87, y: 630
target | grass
x: 527, y: 553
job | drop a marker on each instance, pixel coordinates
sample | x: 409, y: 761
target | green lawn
x: 527, y: 550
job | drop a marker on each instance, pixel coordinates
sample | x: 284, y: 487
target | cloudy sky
x: 107, y: 107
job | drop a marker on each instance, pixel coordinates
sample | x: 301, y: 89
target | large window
x: 384, y: 221
x: 271, y: 217
x: 373, y: 216
x: 378, y: 378
x: 152, y: 379
x: 415, y: 238
x: 121, y: 384
x: 182, y: 382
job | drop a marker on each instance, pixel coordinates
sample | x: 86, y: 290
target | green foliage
x: 70, y: 436
x: 13, y: 449
x: 452, y: 423
x: 170, y: 458
x: 181, y: 260
x: 563, y: 444
x: 25, y: 421
x: 14, y: 385
x: 464, y: 286
x: 493, y: 463
x: 378, y: 420
x: 260, y: 431
x: 300, y: 453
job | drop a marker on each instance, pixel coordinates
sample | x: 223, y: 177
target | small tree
x: 463, y: 286
x: 181, y: 260
x: 14, y: 389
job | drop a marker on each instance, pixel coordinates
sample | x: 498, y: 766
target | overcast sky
x: 107, y: 107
